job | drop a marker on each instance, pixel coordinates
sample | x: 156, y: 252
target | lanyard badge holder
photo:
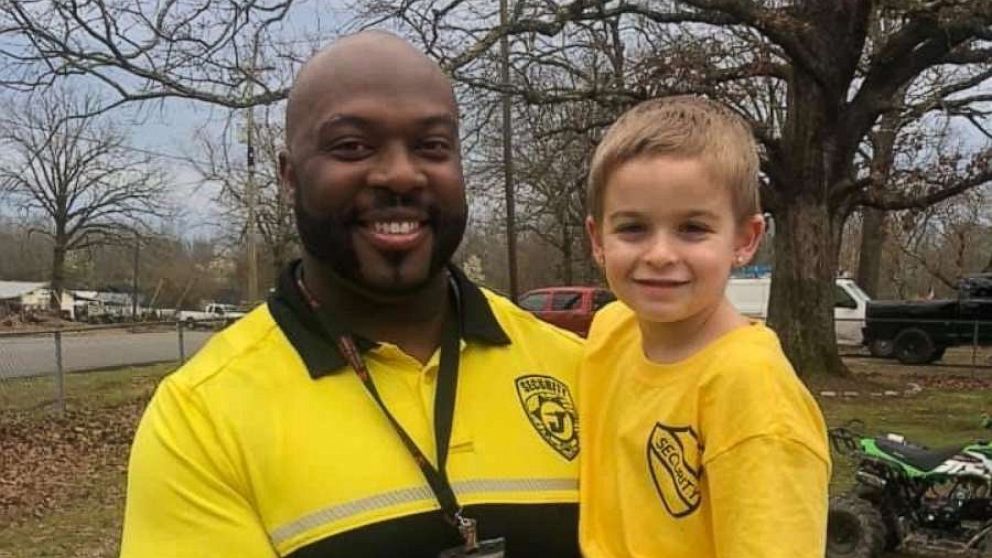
x: 444, y: 407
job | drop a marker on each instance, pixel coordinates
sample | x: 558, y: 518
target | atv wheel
x: 881, y: 348
x: 914, y: 346
x: 854, y: 528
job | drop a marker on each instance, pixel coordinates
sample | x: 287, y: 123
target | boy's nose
x: 661, y: 252
x: 396, y: 169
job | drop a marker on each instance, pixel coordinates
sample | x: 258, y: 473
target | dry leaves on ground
x: 46, y: 462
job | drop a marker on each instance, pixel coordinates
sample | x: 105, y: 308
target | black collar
x: 319, y: 352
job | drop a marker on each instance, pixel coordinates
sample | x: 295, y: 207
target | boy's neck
x: 670, y: 342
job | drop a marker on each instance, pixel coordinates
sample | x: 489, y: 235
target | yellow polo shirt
x: 267, y: 444
x: 721, y: 455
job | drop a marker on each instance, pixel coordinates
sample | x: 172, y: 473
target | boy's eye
x: 694, y: 228
x: 629, y: 228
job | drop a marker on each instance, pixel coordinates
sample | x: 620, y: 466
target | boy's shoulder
x: 612, y: 323
x: 752, y: 371
x: 750, y: 350
x: 751, y: 389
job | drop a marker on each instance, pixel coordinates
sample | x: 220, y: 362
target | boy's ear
x: 749, y: 237
x: 595, y: 240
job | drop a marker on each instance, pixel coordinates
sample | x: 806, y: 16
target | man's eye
x: 350, y: 149
x: 435, y: 147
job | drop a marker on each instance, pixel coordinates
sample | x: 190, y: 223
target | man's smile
x: 394, y: 235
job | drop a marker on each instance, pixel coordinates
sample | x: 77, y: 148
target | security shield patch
x: 549, y: 406
x: 674, y: 461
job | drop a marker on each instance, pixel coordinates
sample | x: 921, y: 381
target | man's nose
x: 397, y: 170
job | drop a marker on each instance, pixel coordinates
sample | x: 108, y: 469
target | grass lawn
x: 62, y: 477
x: 935, y: 418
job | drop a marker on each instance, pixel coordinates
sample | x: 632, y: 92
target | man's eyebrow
x: 439, y: 120
x: 342, y: 120
x: 350, y: 120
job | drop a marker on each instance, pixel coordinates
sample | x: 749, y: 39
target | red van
x: 569, y: 308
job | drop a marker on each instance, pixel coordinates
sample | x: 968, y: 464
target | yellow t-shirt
x: 723, y: 454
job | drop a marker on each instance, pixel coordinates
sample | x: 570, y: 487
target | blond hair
x: 684, y: 127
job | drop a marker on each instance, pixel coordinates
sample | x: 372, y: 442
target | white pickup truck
x: 750, y: 297
x: 213, y: 313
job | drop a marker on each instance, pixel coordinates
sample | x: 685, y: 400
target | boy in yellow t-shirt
x: 698, y: 440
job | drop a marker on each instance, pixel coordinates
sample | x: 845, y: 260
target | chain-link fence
x: 34, y: 364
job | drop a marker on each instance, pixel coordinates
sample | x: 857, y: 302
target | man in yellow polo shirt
x: 380, y: 404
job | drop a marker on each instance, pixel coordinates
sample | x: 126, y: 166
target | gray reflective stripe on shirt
x: 343, y: 511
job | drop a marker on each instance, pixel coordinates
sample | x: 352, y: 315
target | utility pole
x: 134, y: 279
x: 250, y: 193
x: 511, y: 227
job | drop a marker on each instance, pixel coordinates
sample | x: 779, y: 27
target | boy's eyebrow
x: 701, y: 213
x: 691, y: 214
x: 625, y: 214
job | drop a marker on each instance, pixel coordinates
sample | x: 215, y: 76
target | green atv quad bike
x: 933, y: 502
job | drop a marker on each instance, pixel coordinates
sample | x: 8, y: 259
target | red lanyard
x: 444, y: 409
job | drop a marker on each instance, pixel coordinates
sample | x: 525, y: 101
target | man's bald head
x: 363, y: 61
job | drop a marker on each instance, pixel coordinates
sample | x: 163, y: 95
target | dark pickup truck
x: 918, y: 332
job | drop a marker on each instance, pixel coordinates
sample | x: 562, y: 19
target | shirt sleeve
x: 182, y: 499
x: 769, y: 499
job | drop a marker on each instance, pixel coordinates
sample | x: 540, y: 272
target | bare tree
x: 151, y: 50
x: 77, y: 176
x: 807, y: 74
x: 23, y: 257
x: 222, y: 160
x: 943, y: 242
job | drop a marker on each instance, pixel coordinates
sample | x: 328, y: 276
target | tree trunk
x: 58, y: 277
x: 870, y: 255
x: 801, y: 306
x: 873, y: 220
x: 566, y: 255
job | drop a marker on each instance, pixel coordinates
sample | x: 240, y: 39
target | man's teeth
x: 393, y: 227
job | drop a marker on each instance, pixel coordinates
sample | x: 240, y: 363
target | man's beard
x: 328, y: 239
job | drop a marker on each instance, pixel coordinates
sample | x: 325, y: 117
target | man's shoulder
x: 241, y: 341
x: 524, y: 327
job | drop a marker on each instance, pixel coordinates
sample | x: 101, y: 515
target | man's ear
x: 595, y: 240
x: 287, y: 175
x: 749, y: 234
